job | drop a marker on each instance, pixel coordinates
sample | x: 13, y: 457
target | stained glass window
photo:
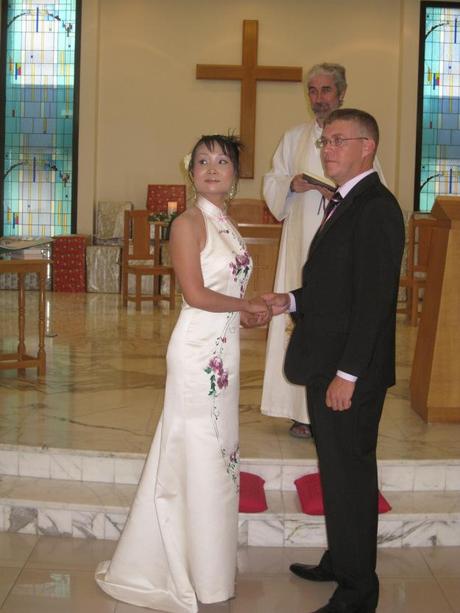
x: 438, y: 134
x: 39, y: 53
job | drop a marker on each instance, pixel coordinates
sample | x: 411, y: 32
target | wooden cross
x: 248, y: 73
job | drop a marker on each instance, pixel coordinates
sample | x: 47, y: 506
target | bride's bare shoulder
x: 190, y: 221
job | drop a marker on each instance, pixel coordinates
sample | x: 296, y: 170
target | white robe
x: 302, y: 214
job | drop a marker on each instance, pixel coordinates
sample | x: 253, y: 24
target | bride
x: 179, y: 544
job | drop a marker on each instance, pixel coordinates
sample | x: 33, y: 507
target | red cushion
x: 311, y: 495
x: 252, y: 495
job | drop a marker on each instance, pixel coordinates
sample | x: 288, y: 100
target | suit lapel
x: 344, y: 206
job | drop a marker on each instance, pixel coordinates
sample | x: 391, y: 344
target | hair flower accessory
x: 187, y: 159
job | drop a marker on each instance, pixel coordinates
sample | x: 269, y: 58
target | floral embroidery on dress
x: 240, y: 268
x: 233, y: 467
x: 218, y: 379
x: 218, y: 375
x: 218, y: 382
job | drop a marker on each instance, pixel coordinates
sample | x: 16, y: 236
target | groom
x: 343, y: 351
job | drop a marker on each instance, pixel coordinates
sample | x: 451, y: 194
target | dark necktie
x: 333, y: 203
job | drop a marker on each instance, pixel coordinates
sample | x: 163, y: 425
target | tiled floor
x: 55, y: 575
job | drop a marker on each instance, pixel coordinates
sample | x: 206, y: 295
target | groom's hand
x: 339, y: 394
x: 279, y: 303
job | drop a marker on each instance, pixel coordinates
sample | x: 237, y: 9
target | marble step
x: 125, y: 468
x: 99, y: 510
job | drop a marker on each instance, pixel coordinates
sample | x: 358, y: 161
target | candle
x: 172, y: 208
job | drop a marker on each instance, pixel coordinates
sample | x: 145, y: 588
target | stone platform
x: 88, y: 494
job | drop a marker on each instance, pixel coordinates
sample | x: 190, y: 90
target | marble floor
x: 55, y: 575
x: 105, y: 378
x: 104, y: 391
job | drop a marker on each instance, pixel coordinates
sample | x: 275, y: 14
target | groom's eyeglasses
x: 336, y: 141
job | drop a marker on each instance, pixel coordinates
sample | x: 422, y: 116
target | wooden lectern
x: 263, y: 242
x: 435, y: 379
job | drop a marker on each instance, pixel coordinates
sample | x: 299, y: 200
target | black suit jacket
x: 346, y: 308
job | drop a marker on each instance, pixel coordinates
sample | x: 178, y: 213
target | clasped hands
x: 262, y: 308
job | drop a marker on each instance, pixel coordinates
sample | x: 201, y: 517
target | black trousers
x: 346, y: 444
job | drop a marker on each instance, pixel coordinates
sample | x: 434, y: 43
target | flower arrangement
x: 167, y: 218
x: 163, y: 216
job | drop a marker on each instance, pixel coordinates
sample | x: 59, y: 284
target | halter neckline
x: 210, y: 208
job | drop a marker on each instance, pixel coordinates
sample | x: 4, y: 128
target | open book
x: 320, y: 181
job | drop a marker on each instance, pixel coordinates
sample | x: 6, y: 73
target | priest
x: 300, y: 204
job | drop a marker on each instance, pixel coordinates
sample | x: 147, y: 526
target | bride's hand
x: 257, y: 305
x: 253, y: 320
x: 249, y: 320
x: 259, y: 313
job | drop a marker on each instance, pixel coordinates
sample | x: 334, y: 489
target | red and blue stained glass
x: 440, y: 129
x: 39, y: 117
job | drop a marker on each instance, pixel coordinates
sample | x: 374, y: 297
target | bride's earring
x: 194, y: 192
x: 232, y: 192
x: 192, y: 186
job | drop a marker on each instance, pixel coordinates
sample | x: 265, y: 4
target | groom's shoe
x: 311, y: 573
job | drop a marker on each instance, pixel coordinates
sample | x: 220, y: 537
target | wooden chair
x: 419, y: 234
x: 141, y: 260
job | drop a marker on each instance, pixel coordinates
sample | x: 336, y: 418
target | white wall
x: 141, y: 107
